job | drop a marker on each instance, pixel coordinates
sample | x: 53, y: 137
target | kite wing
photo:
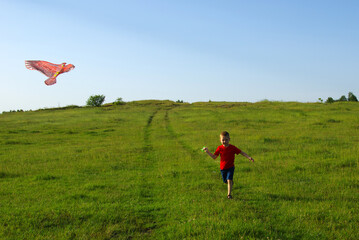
x: 47, y: 68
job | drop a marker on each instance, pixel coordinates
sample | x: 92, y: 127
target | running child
x: 227, y: 152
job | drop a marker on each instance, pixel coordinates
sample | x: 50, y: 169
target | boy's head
x: 224, y: 137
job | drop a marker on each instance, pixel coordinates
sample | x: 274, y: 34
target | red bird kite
x: 49, y: 69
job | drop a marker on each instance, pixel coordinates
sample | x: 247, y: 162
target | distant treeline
x: 97, y: 101
x: 351, y: 98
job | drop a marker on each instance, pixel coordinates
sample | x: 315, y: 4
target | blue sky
x: 196, y: 50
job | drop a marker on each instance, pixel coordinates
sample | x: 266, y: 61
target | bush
x: 70, y: 107
x: 95, y: 101
x: 330, y: 100
x: 119, y: 101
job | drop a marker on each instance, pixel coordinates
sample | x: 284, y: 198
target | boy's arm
x: 209, y: 153
x: 246, y: 155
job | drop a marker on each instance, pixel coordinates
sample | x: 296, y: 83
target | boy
x: 227, y: 152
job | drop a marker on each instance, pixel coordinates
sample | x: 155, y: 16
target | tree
x: 95, y: 100
x: 330, y: 100
x: 342, y: 99
x: 352, y: 97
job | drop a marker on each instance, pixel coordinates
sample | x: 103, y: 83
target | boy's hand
x: 204, y: 149
x: 251, y: 159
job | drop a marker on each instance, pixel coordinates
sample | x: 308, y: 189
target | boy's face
x: 225, y: 141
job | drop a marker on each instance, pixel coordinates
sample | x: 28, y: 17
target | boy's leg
x: 230, y: 184
x: 224, y: 176
x: 230, y: 181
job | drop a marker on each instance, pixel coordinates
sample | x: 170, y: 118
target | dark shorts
x: 227, y: 174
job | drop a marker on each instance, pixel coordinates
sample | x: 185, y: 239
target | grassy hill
x: 136, y: 171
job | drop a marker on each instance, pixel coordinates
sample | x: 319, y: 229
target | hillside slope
x: 136, y: 171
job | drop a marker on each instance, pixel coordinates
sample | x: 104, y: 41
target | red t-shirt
x: 227, y: 155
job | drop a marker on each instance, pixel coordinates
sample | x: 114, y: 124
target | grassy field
x: 136, y: 172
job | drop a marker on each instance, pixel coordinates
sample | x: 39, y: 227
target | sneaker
x: 229, y: 196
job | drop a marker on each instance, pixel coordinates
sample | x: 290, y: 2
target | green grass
x: 136, y: 171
